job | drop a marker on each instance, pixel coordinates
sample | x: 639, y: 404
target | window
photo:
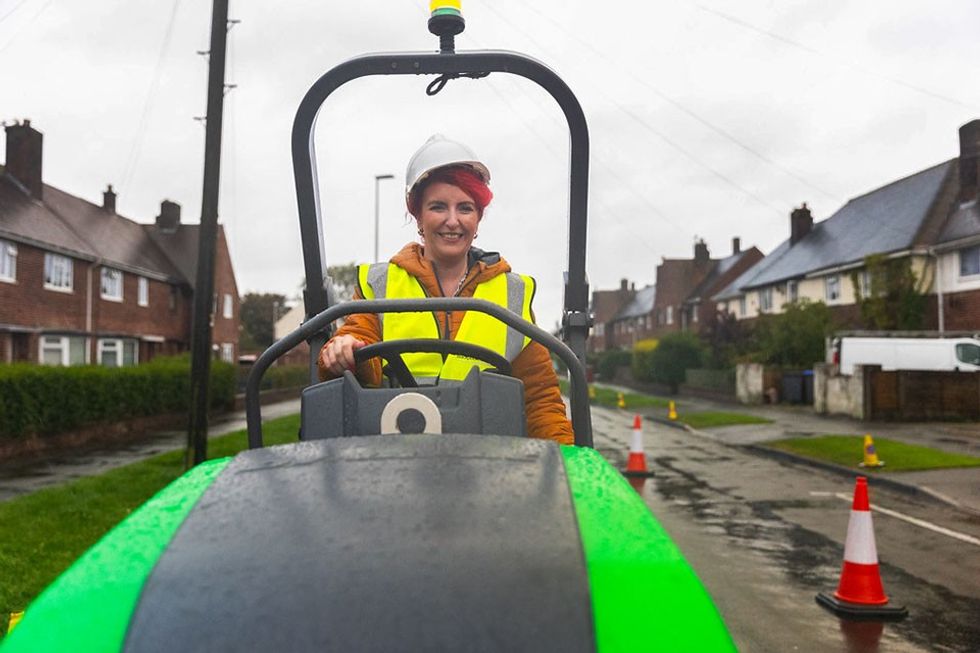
x: 670, y: 315
x: 765, y: 299
x: 142, y: 291
x: 57, y: 272
x: 864, y: 284
x: 792, y: 291
x: 600, y: 329
x: 970, y: 261
x: 742, y: 309
x: 968, y: 353
x: 112, y: 284
x: 173, y: 298
x: 63, y: 350
x: 227, y: 350
x: 832, y: 288
x: 694, y: 314
x: 8, y: 261
x: 117, y: 352
x: 227, y: 306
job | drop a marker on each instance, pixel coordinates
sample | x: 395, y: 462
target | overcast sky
x: 708, y: 119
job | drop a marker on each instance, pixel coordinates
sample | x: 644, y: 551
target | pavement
x: 23, y: 477
x: 955, y: 487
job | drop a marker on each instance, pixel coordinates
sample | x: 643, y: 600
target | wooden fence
x: 922, y: 396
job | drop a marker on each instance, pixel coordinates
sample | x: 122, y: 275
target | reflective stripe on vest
x: 511, y: 291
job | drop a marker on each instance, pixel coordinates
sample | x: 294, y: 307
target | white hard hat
x: 438, y: 152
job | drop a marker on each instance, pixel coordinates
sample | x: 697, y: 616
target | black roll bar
x: 579, y: 392
x: 575, y: 321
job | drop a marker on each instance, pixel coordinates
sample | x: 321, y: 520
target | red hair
x: 463, y: 177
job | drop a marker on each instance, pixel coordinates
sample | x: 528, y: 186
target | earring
x: 420, y: 232
x: 475, y: 236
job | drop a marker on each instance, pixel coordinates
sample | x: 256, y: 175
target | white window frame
x: 142, y: 291
x: 831, y: 286
x: 59, y: 273
x: 743, y: 308
x: 8, y: 261
x: 62, y: 344
x: 765, y: 299
x: 111, y: 284
x: 228, y: 307
x: 228, y: 352
x: 975, y: 251
x: 118, y: 345
x: 670, y: 315
x: 600, y: 329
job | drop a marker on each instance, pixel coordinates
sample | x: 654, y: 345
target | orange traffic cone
x: 860, y: 594
x: 636, y: 464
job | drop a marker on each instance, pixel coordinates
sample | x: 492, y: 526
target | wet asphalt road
x: 766, y: 536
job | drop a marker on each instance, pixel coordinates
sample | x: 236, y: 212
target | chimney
x: 24, y: 156
x: 800, y: 223
x: 969, y: 153
x: 701, y: 254
x: 624, y: 284
x: 736, y: 245
x: 109, y: 199
x: 169, y: 218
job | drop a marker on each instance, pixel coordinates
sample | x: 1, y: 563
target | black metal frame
x: 575, y: 322
x: 581, y: 417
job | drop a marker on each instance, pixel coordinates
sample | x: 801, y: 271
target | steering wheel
x: 391, y: 351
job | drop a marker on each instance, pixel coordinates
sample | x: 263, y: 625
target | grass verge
x: 710, y: 418
x: 848, y: 450
x: 610, y: 398
x: 42, y: 533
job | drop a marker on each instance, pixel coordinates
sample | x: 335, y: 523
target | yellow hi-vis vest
x: 511, y: 291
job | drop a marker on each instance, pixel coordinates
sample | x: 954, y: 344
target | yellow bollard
x: 870, y: 453
x: 671, y: 411
x: 15, y: 618
x: 620, y: 400
x: 591, y: 392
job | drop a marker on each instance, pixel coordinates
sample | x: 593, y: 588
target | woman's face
x: 448, y: 220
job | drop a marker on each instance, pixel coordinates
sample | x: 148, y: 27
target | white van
x: 939, y: 354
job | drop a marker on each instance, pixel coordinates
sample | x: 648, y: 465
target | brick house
x: 634, y: 321
x: 699, y: 309
x: 81, y: 284
x: 603, y: 308
x: 930, y: 218
x: 676, y: 280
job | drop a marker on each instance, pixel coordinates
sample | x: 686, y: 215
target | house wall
x: 225, y: 330
x: 26, y: 303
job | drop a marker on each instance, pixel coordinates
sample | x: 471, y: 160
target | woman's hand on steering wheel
x: 338, y: 354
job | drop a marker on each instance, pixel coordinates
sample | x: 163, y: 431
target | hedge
x: 43, y: 400
x: 722, y: 381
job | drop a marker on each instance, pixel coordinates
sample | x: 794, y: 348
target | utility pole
x: 197, y: 430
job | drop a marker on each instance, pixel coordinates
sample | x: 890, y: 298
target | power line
x: 134, y: 152
x: 650, y: 128
x: 12, y: 10
x: 30, y: 21
x: 806, y: 48
x: 677, y: 104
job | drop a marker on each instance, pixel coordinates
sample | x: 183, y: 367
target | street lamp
x: 377, y: 180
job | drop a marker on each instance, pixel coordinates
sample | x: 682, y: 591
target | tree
x: 726, y: 339
x: 891, y: 299
x: 344, y: 278
x: 259, y: 313
x: 795, y: 337
x: 675, y: 354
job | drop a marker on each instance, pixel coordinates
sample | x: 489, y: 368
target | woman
x: 446, y: 193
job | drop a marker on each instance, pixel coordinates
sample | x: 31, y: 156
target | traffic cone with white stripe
x: 860, y: 594
x: 636, y: 464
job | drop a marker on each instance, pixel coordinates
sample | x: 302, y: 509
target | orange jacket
x: 542, y: 400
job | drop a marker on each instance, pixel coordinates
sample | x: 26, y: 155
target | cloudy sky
x: 709, y: 119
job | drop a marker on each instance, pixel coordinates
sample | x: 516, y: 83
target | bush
x: 42, y: 400
x: 676, y: 353
x: 795, y: 337
x: 609, y: 361
x: 643, y: 358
